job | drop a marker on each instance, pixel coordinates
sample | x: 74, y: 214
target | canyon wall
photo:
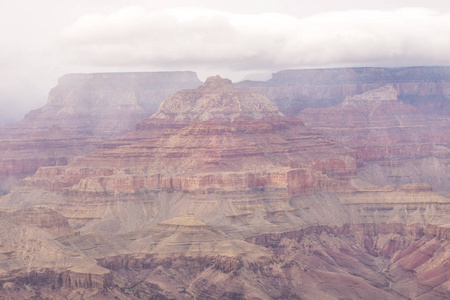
x: 427, y: 88
x: 218, y: 195
x: 103, y: 104
x: 82, y: 111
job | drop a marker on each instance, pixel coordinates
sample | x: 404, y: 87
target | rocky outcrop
x: 103, y: 105
x: 217, y: 100
x: 373, y: 97
x: 23, y: 156
x: 427, y: 88
x: 42, y: 217
x: 220, y: 196
x: 354, y: 261
x: 31, y: 257
x: 397, y: 142
x: 380, y: 127
x: 412, y: 258
x: 233, y: 141
x: 56, y: 280
x: 83, y: 110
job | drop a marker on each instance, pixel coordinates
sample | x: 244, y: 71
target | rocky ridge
x: 392, y: 138
x: 373, y: 115
x: 83, y: 110
x: 427, y: 88
x: 232, y: 150
x: 104, y: 104
x: 226, y: 203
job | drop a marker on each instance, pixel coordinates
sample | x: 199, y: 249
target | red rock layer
x: 217, y: 100
x: 83, y: 111
x: 243, y: 143
x: 258, y: 181
x: 104, y: 104
x: 356, y: 261
x: 23, y: 156
x: 381, y: 129
x: 427, y: 88
x: 55, y: 281
x: 42, y: 217
x: 206, y: 155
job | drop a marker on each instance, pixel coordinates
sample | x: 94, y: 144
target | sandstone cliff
x: 392, y: 138
x: 83, y: 110
x: 231, y: 141
x: 220, y: 196
x: 103, y: 104
x: 50, y: 147
x: 427, y: 88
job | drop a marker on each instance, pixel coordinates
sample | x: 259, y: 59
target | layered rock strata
x: 31, y: 255
x: 232, y: 140
x: 220, y: 196
x: 54, y: 146
x: 391, y: 137
x: 104, y: 104
x: 83, y: 110
x: 357, y: 261
x: 427, y: 88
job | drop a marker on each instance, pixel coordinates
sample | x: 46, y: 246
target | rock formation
x: 392, y: 138
x: 230, y: 141
x: 220, y: 196
x: 54, y: 146
x: 427, y: 88
x: 83, y: 110
x: 104, y: 104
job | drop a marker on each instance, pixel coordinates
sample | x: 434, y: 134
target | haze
x: 43, y: 40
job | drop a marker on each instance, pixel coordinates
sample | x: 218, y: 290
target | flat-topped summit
x: 217, y: 100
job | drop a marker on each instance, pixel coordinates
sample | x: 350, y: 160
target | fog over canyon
x: 224, y: 149
x: 314, y: 184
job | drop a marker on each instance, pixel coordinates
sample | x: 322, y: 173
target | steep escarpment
x: 50, y: 147
x: 220, y: 196
x: 366, y: 261
x: 31, y: 256
x: 104, y: 104
x: 357, y: 261
x: 380, y: 126
x: 83, y: 110
x: 233, y: 141
x: 217, y: 100
x: 427, y: 88
x: 396, y: 137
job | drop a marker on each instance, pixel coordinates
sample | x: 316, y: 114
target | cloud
x: 21, y: 88
x: 200, y: 38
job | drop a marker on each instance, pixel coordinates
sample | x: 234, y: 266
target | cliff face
x: 109, y: 105
x: 83, y: 110
x: 32, y: 256
x: 366, y: 261
x: 393, y: 137
x: 427, y: 88
x: 103, y: 105
x: 50, y: 147
x: 220, y: 196
x: 231, y: 142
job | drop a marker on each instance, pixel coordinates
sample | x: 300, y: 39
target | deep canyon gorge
x: 314, y: 184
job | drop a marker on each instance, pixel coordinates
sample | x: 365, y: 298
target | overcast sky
x: 42, y: 40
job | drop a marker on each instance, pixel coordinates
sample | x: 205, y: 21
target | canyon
x: 294, y: 90
x: 83, y: 111
x: 221, y: 194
